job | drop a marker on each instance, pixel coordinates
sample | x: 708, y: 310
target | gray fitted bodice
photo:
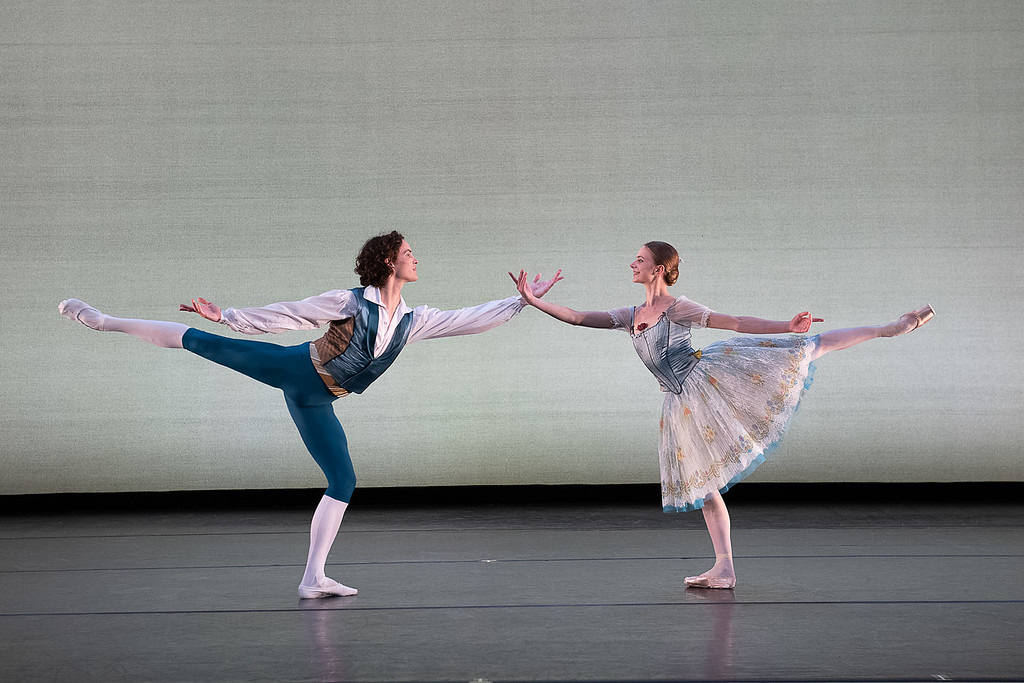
x: 665, y: 349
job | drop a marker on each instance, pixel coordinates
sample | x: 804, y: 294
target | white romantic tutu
x: 732, y: 412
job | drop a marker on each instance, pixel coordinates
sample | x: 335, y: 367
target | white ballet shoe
x: 79, y: 311
x: 328, y: 588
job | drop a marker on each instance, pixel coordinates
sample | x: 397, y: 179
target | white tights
x: 322, y: 531
x: 157, y: 332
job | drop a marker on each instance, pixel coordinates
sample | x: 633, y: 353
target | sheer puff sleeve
x: 686, y: 312
x: 622, y: 318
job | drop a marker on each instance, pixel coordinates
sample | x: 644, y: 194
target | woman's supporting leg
x: 722, y: 574
x: 156, y: 332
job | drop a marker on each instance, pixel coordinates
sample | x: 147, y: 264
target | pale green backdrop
x: 855, y: 158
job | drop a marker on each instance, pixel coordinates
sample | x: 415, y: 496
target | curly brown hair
x: 372, y: 265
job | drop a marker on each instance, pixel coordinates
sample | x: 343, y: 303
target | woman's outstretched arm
x: 745, y: 324
x: 600, y: 319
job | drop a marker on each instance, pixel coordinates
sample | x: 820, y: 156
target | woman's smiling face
x: 644, y: 267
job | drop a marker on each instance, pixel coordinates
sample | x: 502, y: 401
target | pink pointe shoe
x: 719, y: 582
x: 916, y: 318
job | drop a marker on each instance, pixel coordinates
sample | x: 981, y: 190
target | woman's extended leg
x: 834, y: 340
x: 722, y: 574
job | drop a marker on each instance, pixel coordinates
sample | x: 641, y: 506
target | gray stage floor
x: 826, y: 593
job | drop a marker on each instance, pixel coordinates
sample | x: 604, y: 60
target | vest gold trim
x: 331, y: 384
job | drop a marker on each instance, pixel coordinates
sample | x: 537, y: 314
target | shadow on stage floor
x: 854, y: 583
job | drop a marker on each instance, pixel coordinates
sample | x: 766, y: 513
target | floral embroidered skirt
x: 732, y: 412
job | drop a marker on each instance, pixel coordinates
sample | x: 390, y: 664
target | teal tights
x: 289, y: 369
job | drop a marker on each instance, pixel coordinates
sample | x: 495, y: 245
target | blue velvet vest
x: 346, y: 351
x: 665, y: 349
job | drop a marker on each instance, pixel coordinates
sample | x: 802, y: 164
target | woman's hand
x: 541, y: 288
x: 208, y: 310
x: 531, y: 291
x: 801, y: 322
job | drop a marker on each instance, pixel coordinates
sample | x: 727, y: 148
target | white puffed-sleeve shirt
x: 338, y: 304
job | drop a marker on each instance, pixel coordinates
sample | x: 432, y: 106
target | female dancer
x: 367, y: 328
x: 725, y: 408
